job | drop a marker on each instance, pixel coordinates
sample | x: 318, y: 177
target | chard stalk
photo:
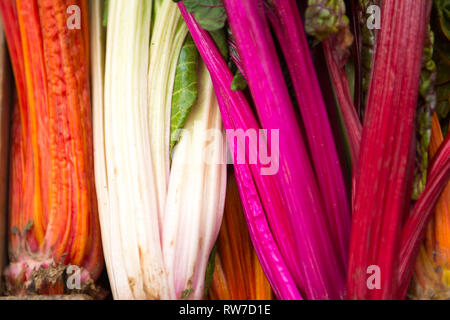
x: 315, y: 119
x: 255, y: 190
x: 386, y: 153
x: 167, y: 37
x: 192, y: 218
x: 98, y: 45
x: 238, y: 274
x: 431, y: 275
x: 136, y: 260
x: 350, y: 116
x: 414, y: 230
x: 155, y: 248
x: 320, y: 264
x: 53, y: 212
x: 326, y: 20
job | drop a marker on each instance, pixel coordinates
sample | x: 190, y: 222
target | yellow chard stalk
x: 432, y: 274
x: 238, y: 274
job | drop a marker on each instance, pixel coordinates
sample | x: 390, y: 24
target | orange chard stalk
x: 53, y: 208
x: 432, y: 273
x: 238, y: 274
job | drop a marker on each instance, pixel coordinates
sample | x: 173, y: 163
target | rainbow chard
x: 308, y: 216
x: 431, y: 275
x: 258, y: 192
x: 326, y: 20
x: 317, y: 251
x: 53, y: 210
x: 327, y: 167
x: 387, y: 154
x: 160, y: 215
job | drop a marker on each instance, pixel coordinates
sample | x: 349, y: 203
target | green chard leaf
x: 221, y: 41
x: 441, y: 27
x: 220, y: 38
x: 105, y: 14
x: 426, y: 107
x: 186, y: 293
x: 210, y: 14
x: 323, y: 18
x: 443, y: 95
x: 368, y: 37
x: 29, y: 226
x: 185, y: 91
x: 210, y: 270
x: 326, y: 19
x: 239, y: 83
x: 443, y: 9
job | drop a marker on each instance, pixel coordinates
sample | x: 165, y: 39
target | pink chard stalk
x: 257, y: 192
x: 305, y: 205
x: 315, y: 238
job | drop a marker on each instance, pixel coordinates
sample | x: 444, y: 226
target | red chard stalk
x: 384, y: 173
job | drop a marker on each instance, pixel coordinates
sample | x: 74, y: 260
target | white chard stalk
x: 196, y: 196
x: 97, y: 42
x: 168, y: 34
x: 159, y: 220
x: 130, y: 214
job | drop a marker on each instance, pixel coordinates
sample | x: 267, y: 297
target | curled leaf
x: 210, y: 14
x: 427, y: 104
x: 326, y: 19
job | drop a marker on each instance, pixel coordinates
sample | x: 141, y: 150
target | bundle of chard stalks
x: 225, y: 149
